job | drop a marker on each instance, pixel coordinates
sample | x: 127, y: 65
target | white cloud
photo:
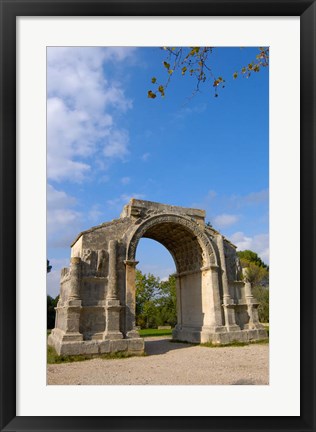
x: 63, y: 222
x: 95, y: 213
x: 224, y: 220
x: 103, y: 179
x: 234, y: 202
x: 258, y: 243
x: 116, y: 145
x: 187, y: 110
x: 57, y: 198
x: 63, y: 217
x: 257, y: 197
x: 124, y: 199
x: 53, y: 283
x: 81, y: 108
x: 253, y: 198
x: 76, y: 74
x: 53, y: 277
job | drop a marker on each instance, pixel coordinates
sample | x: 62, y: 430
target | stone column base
x: 232, y: 328
x: 218, y: 335
x: 63, y: 336
x: 113, y: 309
x: 195, y: 335
x: 96, y: 347
x: 133, y: 334
x: 254, y: 326
x: 112, y: 335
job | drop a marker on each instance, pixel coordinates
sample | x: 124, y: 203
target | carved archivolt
x: 208, y: 253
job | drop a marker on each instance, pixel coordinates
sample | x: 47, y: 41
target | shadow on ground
x: 244, y: 382
x: 162, y: 346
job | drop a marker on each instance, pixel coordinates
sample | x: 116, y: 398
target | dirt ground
x: 168, y: 363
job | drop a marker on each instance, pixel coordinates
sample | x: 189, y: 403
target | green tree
x: 147, y: 287
x: 155, y: 301
x: 258, y: 275
x: 167, y: 303
x: 250, y: 256
x: 51, y: 313
x: 49, y: 267
x: 51, y: 304
x: 262, y: 295
x: 257, y: 270
x: 197, y: 62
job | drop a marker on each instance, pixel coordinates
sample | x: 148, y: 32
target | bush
x: 262, y: 295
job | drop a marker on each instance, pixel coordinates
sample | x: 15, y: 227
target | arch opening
x: 155, y: 287
x: 194, y: 287
x: 153, y: 257
x: 180, y: 242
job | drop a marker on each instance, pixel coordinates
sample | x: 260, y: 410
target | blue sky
x: 107, y: 142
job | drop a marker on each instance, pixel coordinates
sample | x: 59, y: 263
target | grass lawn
x: 155, y: 332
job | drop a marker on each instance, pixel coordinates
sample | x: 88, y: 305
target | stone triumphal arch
x: 96, y: 310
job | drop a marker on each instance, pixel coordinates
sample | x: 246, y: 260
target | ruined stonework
x: 96, y: 310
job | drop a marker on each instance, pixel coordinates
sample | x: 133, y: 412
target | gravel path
x: 171, y: 363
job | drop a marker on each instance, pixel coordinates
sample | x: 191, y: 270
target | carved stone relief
x: 94, y: 262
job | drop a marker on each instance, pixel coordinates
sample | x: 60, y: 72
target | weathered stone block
x: 90, y: 347
x: 71, y: 348
x: 136, y: 345
x: 105, y: 347
x: 118, y: 345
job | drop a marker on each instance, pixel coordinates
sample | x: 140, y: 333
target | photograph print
x: 157, y: 215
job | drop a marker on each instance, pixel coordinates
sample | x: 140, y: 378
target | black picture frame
x: 10, y: 10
